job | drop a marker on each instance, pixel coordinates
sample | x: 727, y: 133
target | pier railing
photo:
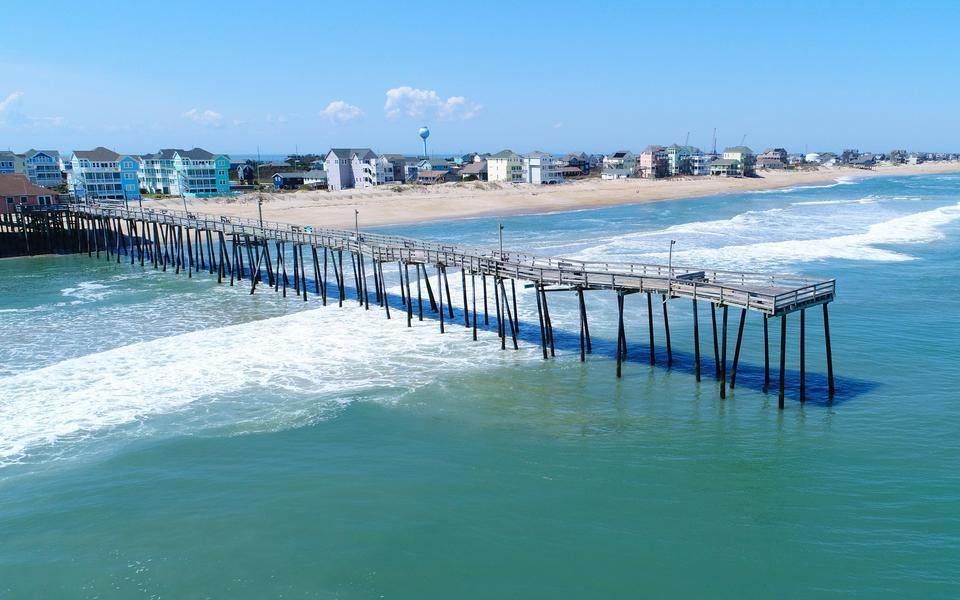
x: 769, y: 293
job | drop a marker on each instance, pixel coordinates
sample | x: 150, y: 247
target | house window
x: 9, y: 200
x: 23, y: 199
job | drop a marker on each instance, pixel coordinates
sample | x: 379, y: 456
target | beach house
x: 193, y: 173
x: 619, y: 165
x: 10, y: 163
x: 653, y: 162
x: 370, y: 170
x: 581, y: 161
x: 699, y: 163
x: 102, y: 174
x: 474, y: 171
x: 17, y: 190
x: 541, y: 168
x: 744, y: 156
x: 338, y: 163
x: 506, y: 165
x: 293, y: 180
x: 772, y: 158
x: 42, y: 167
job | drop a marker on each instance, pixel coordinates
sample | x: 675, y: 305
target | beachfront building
x: 742, y: 155
x: 474, y: 171
x: 10, y: 163
x: 653, y: 162
x: 725, y: 167
x: 680, y: 158
x: 17, y: 190
x: 581, y: 161
x: 431, y: 177
x: 315, y: 179
x: 370, y: 170
x: 341, y: 171
x: 619, y: 165
x: 102, y: 174
x: 191, y: 173
x: 699, y: 164
x: 42, y: 167
x: 541, y: 168
x: 772, y: 158
x: 506, y: 165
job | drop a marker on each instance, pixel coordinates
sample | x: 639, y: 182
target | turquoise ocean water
x: 165, y: 437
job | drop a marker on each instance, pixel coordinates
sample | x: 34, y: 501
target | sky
x: 556, y: 76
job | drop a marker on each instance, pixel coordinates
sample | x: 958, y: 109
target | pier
x: 290, y: 258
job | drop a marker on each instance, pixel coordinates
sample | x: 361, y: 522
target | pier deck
x: 191, y: 242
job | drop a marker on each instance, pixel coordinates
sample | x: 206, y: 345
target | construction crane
x: 714, y: 151
x: 686, y: 142
x: 743, y: 139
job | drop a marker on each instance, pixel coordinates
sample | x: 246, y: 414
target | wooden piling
x: 783, y: 358
x: 723, y: 356
x: 826, y: 340
x: 696, y: 339
x: 736, y: 351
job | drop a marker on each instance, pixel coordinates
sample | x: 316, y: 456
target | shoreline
x: 383, y: 206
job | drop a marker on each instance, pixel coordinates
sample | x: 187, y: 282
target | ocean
x: 166, y: 437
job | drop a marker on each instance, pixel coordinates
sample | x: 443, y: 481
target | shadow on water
x: 749, y: 375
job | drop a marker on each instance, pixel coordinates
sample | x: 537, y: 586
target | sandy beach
x: 390, y: 205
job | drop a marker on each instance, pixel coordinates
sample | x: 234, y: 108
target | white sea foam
x: 917, y: 228
x: 836, y: 182
x: 313, y: 359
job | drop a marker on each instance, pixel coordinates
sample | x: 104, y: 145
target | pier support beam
x: 826, y: 340
x: 621, y: 338
x: 716, y: 345
x: 543, y: 323
x: 783, y: 359
x: 723, y: 356
x: 766, y: 355
x: 666, y: 330
x: 653, y: 355
x: 736, y: 351
x: 696, y: 340
x: 803, y: 356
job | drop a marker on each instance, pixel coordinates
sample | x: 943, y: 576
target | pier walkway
x: 193, y: 242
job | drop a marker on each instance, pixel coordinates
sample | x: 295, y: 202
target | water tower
x: 424, y: 134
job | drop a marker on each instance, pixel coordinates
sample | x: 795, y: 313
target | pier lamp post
x: 500, y: 233
x: 260, y: 207
x: 670, y: 268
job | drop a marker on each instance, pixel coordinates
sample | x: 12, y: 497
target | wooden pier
x: 246, y: 251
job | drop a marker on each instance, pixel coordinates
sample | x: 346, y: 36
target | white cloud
x: 47, y: 121
x: 419, y: 104
x: 558, y: 125
x: 341, y: 111
x: 9, y: 101
x: 204, y: 117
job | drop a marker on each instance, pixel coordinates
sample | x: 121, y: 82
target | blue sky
x: 556, y: 76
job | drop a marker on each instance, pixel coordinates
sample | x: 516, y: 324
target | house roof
x: 196, y: 154
x: 474, y: 168
x: 620, y: 154
x: 724, y: 162
x: 741, y: 149
x: 505, y: 154
x: 15, y: 184
x: 32, y: 152
x: 347, y: 153
x: 8, y: 154
x: 431, y: 174
x: 314, y: 174
x: 98, y: 153
x: 537, y: 154
x: 571, y: 170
